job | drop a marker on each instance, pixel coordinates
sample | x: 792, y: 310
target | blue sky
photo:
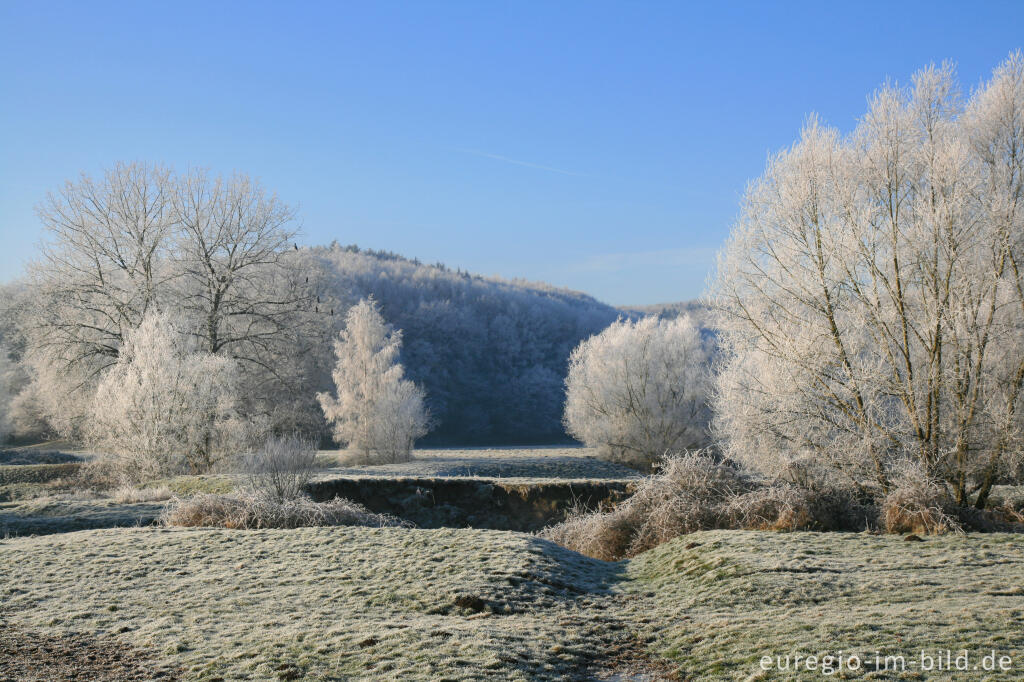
x: 596, y: 145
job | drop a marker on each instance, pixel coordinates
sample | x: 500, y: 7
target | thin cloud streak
x: 517, y: 162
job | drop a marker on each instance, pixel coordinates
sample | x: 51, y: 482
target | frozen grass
x: 1008, y: 495
x: 252, y: 511
x: 25, y: 456
x: 321, y: 603
x: 67, y: 512
x: 393, y: 603
x: 524, y: 463
x: 129, y: 494
x: 727, y: 598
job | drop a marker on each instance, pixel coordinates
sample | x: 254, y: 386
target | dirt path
x: 26, y: 655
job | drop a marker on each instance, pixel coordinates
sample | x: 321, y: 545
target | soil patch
x: 28, y: 655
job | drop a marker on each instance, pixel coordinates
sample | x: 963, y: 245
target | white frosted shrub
x: 870, y: 299
x: 376, y: 412
x: 58, y: 398
x: 165, y: 408
x: 7, y: 394
x: 639, y: 389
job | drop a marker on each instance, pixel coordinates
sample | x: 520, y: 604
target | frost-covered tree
x: 639, y: 389
x: 166, y: 407
x: 377, y: 412
x: 102, y: 263
x: 871, y: 296
x: 214, y: 252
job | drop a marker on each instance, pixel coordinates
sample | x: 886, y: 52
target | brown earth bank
x: 475, y: 503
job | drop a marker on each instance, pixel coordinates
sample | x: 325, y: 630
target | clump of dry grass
x: 916, y: 503
x: 685, y: 495
x: 101, y: 473
x: 692, y: 492
x: 601, y: 534
x: 249, y: 510
x: 129, y: 494
x: 773, y: 507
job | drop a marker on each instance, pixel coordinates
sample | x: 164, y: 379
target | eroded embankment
x: 473, y: 502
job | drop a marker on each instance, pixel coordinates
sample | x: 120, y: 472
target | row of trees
x: 491, y: 353
x: 153, y: 282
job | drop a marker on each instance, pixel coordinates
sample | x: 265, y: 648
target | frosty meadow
x: 230, y: 455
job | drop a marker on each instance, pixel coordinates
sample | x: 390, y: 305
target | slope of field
x: 358, y: 603
x: 320, y: 603
x: 66, y: 513
x: 728, y: 598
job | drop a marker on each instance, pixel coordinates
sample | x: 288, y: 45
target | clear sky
x: 596, y: 145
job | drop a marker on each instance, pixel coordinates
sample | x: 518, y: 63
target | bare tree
x: 639, y: 389
x: 250, y: 295
x: 230, y: 249
x: 871, y: 298
x: 377, y: 412
x: 216, y: 253
x: 103, y: 264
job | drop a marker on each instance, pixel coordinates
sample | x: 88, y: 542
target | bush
x: 692, y: 492
x: 639, y: 389
x: 604, y: 535
x: 249, y: 511
x: 164, y: 407
x: 917, y: 503
x: 282, y: 468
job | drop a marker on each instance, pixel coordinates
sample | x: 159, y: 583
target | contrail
x: 517, y: 162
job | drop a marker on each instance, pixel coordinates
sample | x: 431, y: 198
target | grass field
x: 358, y: 603
x: 137, y: 602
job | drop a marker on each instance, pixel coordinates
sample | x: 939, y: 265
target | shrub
x: 165, y: 408
x: 917, y: 503
x: 639, y: 389
x: 692, y: 492
x: 774, y: 507
x: 248, y: 511
x: 281, y: 468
